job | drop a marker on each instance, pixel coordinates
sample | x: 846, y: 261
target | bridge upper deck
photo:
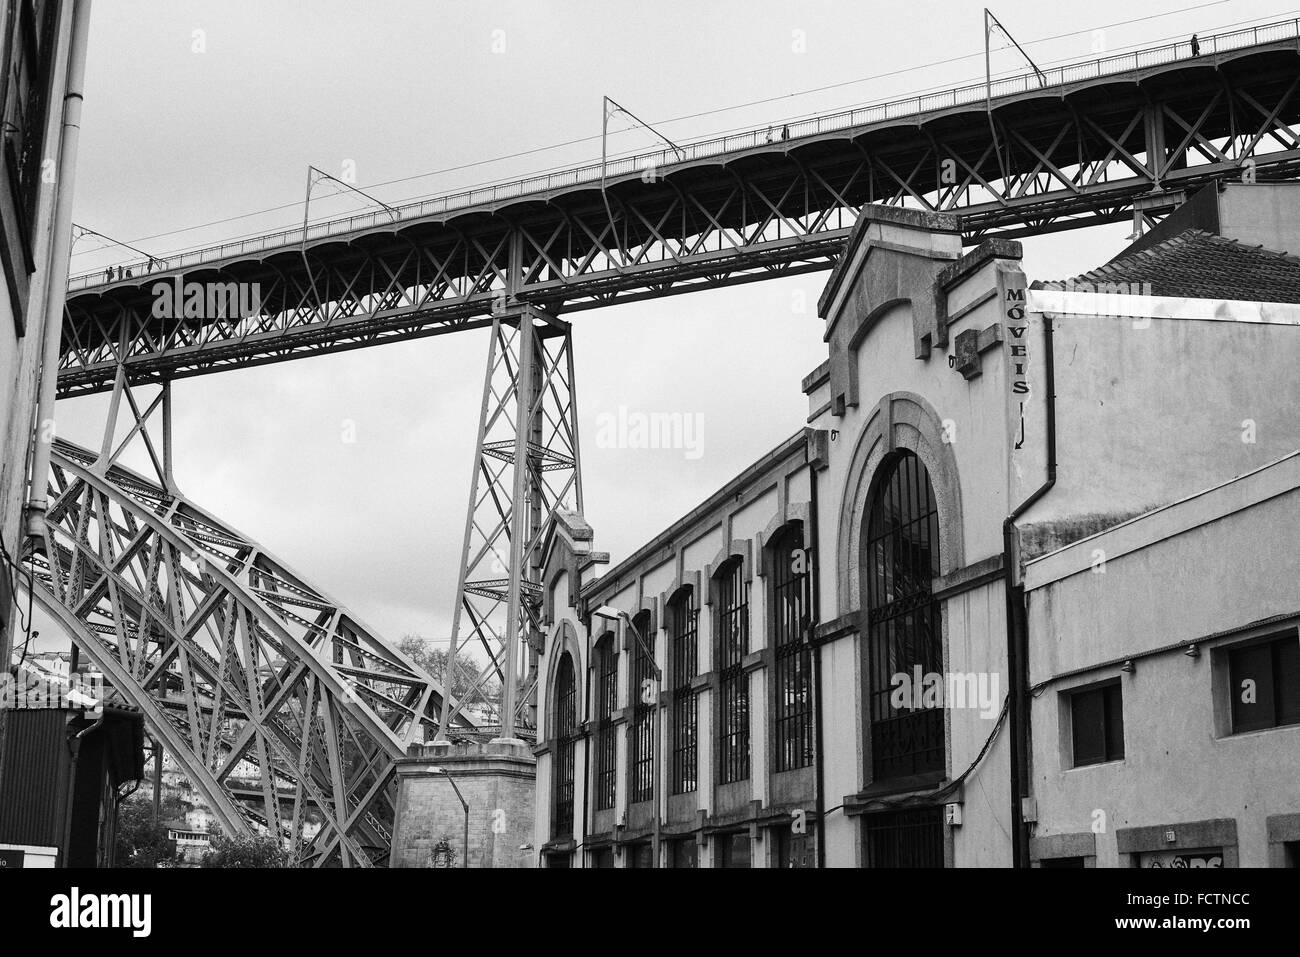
x: 841, y: 126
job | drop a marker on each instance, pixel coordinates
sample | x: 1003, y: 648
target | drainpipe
x: 1017, y: 637
x: 586, y: 755
x: 657, y: 771
x: 75, y: 748
x: 818, y: 756
x: 57, y: 273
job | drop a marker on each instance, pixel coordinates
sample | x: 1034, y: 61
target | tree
x: 142, y: 841
x: 245, y: 850
x: 434, y: 661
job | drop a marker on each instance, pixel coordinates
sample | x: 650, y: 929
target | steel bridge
x: 1100, y: 135
x: 235, y: 659
x: 279, y: 705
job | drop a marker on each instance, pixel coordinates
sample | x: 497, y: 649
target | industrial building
x: 1025, y: 590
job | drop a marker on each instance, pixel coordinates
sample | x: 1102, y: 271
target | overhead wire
x: 683, y: 118
x: 13, y: 569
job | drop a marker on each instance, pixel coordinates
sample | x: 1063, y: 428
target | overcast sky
x: 174, y: 137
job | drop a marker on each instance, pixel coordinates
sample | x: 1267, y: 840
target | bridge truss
x: 526, y: 469
x: 285, y: 712
x: 1101, y: 138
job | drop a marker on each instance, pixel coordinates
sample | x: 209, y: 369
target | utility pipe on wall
x: 57, y: 274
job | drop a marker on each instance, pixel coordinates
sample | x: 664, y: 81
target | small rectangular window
x: 1097, y: 725
x: 1264, y: 683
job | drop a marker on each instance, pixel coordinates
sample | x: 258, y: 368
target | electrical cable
x: 956, y: 782
x: 633, y: 152
x: 13, y: 568
x: 689, y: 116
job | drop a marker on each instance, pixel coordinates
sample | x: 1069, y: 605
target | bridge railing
x: 702, y: 149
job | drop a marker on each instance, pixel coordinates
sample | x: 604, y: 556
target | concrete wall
x: 1217, y: 569
x: 1262, y: 214
x: 958, y: 423
x: 498, y: 783
x: 1259, y: 214
x: 1207, y: 400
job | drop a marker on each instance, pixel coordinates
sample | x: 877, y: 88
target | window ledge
x: 1094, y: 764
x: 876, y: 796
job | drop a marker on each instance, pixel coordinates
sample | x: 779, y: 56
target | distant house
x: 191, y: 842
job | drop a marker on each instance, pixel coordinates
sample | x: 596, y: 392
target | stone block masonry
x: 497, y: 781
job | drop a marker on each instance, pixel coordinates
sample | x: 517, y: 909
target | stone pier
x: 497, y: 782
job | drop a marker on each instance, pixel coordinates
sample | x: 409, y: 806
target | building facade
x: 41, y: 62
x: 1025, y: 578
x: 43, y: 55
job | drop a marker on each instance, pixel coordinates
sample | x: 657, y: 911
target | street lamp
x: 463, y: 803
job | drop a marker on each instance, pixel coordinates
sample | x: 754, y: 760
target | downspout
x: 1016, y: 627
x: 657, y: 770
x: 75, y: 748
x: 57, y: 274
x: 586, y: 752
x: 818, y: 757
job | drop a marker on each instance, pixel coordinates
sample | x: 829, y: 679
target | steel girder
x: 1054, y: 158
x: 277, y: 703
x: 529, y: 415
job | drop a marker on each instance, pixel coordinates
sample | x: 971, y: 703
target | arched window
x: 606, y: 704
x: 792, y: 683
x: 685, y: 619
x: 731, y: 644
x: 566, y: 740
x: 644, y: 692
x: 904, y: 633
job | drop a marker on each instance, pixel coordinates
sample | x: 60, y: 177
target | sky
x: 206, y: 112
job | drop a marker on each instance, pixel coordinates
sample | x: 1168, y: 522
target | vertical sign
x: 1015, y: 338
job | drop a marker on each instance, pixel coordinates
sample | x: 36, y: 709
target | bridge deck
x: 917, y: 109
x: 1075, y: 147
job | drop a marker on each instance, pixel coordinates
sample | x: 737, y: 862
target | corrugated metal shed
x: 34, y: 788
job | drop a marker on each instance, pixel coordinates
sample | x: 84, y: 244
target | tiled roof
x: 1198, y: 265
